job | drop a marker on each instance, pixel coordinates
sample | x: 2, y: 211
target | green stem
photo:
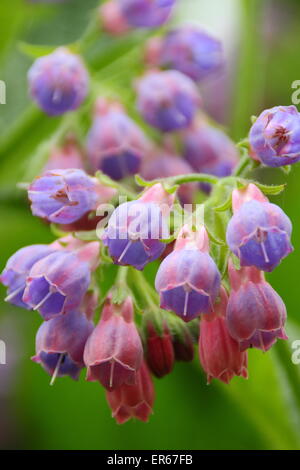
x: 122, y: 276
x: 148, y: 292
x: 243, y: 166
x: 122, y: 190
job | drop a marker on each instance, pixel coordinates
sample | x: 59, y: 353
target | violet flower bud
x: 58, y: 82
x: 167, y: 100
x: 64, y: 196
x: 188, y: 279
x: 17, y: 269
x: 259, y: 232
x: 219, y: 353
x: 69, y: 155
x: 115, y: 144
x: 146, y: 13
x: 255, y: 314
x: 275, y: 136
x: 209, y: 150
x: 191, y: 51
x: 114, y: 352
x: 136, y: 228
x: 133, y: 401
x: 165, y: 165
x: 56, y: 284
x: 60, y: 344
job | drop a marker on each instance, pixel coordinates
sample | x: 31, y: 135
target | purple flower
x: 60, y: 344
x: 146, y: 13
x: 191, y: 51
x: 17, y: 269
x: 259, y: 234
x: 188, y: 280
x: 58, y: 82
x: 275, y: 136
x: 167, y: 100
x: 135, y: 229
x: 209, y: 150
x: 255, y: 313
x: 57, y: 284
x: 64, y: 196
x: 164, y: 165
x: 115, y: 144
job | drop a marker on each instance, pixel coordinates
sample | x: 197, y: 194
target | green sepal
x: 271, y: 190
x: 141, y: 182
x: 225, y: 206
x: 286, y: 169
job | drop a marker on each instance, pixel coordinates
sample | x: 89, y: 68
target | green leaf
x: 286, y: 169
x: 270, y: 190
x: 35, y: 51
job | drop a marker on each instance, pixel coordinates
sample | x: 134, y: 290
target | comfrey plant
x: 207, y: 281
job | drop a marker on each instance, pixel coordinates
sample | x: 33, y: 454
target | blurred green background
x: 261, y: 38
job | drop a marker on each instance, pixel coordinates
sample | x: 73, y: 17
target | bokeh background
x: 261, y: 39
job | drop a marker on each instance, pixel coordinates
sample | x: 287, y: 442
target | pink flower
x: 114, y: 352
x: 133, y: 401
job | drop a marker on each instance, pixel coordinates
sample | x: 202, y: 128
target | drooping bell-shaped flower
x: 166, y: 165
x: 58, y: 82
x: 219, y: 353
x: 159, y: 348
x: 192, y: 51
x: 209, y: 150
x: 259, y: 232
x: 115, y: 144
x: 146, y: 13
x: 133, y: 401
x: 64, y: 196
x: 136, y: 228
x: 188, y: 280
x: 255, y: 314
x: 17, y: 269
x: 57, y: 284
x: 275, y: 136
x: 112, y: 18
x: 67, y: 156
x: 114, y: 352
x: 60, y: 344
x: 167, y: 100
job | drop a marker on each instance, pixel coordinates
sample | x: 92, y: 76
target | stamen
x: 57, y: 95
x: 186, y: 303
x: 43, y: 300
x: 13, y: 294
x: 56, y: 370
x: 111, y: 378
x: 125, y: 251
x: 267, y: 260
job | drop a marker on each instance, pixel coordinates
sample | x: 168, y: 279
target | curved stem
x: 244, y: 165
x: 146, y: 289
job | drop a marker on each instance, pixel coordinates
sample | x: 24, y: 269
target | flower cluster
x: 207, y: 285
